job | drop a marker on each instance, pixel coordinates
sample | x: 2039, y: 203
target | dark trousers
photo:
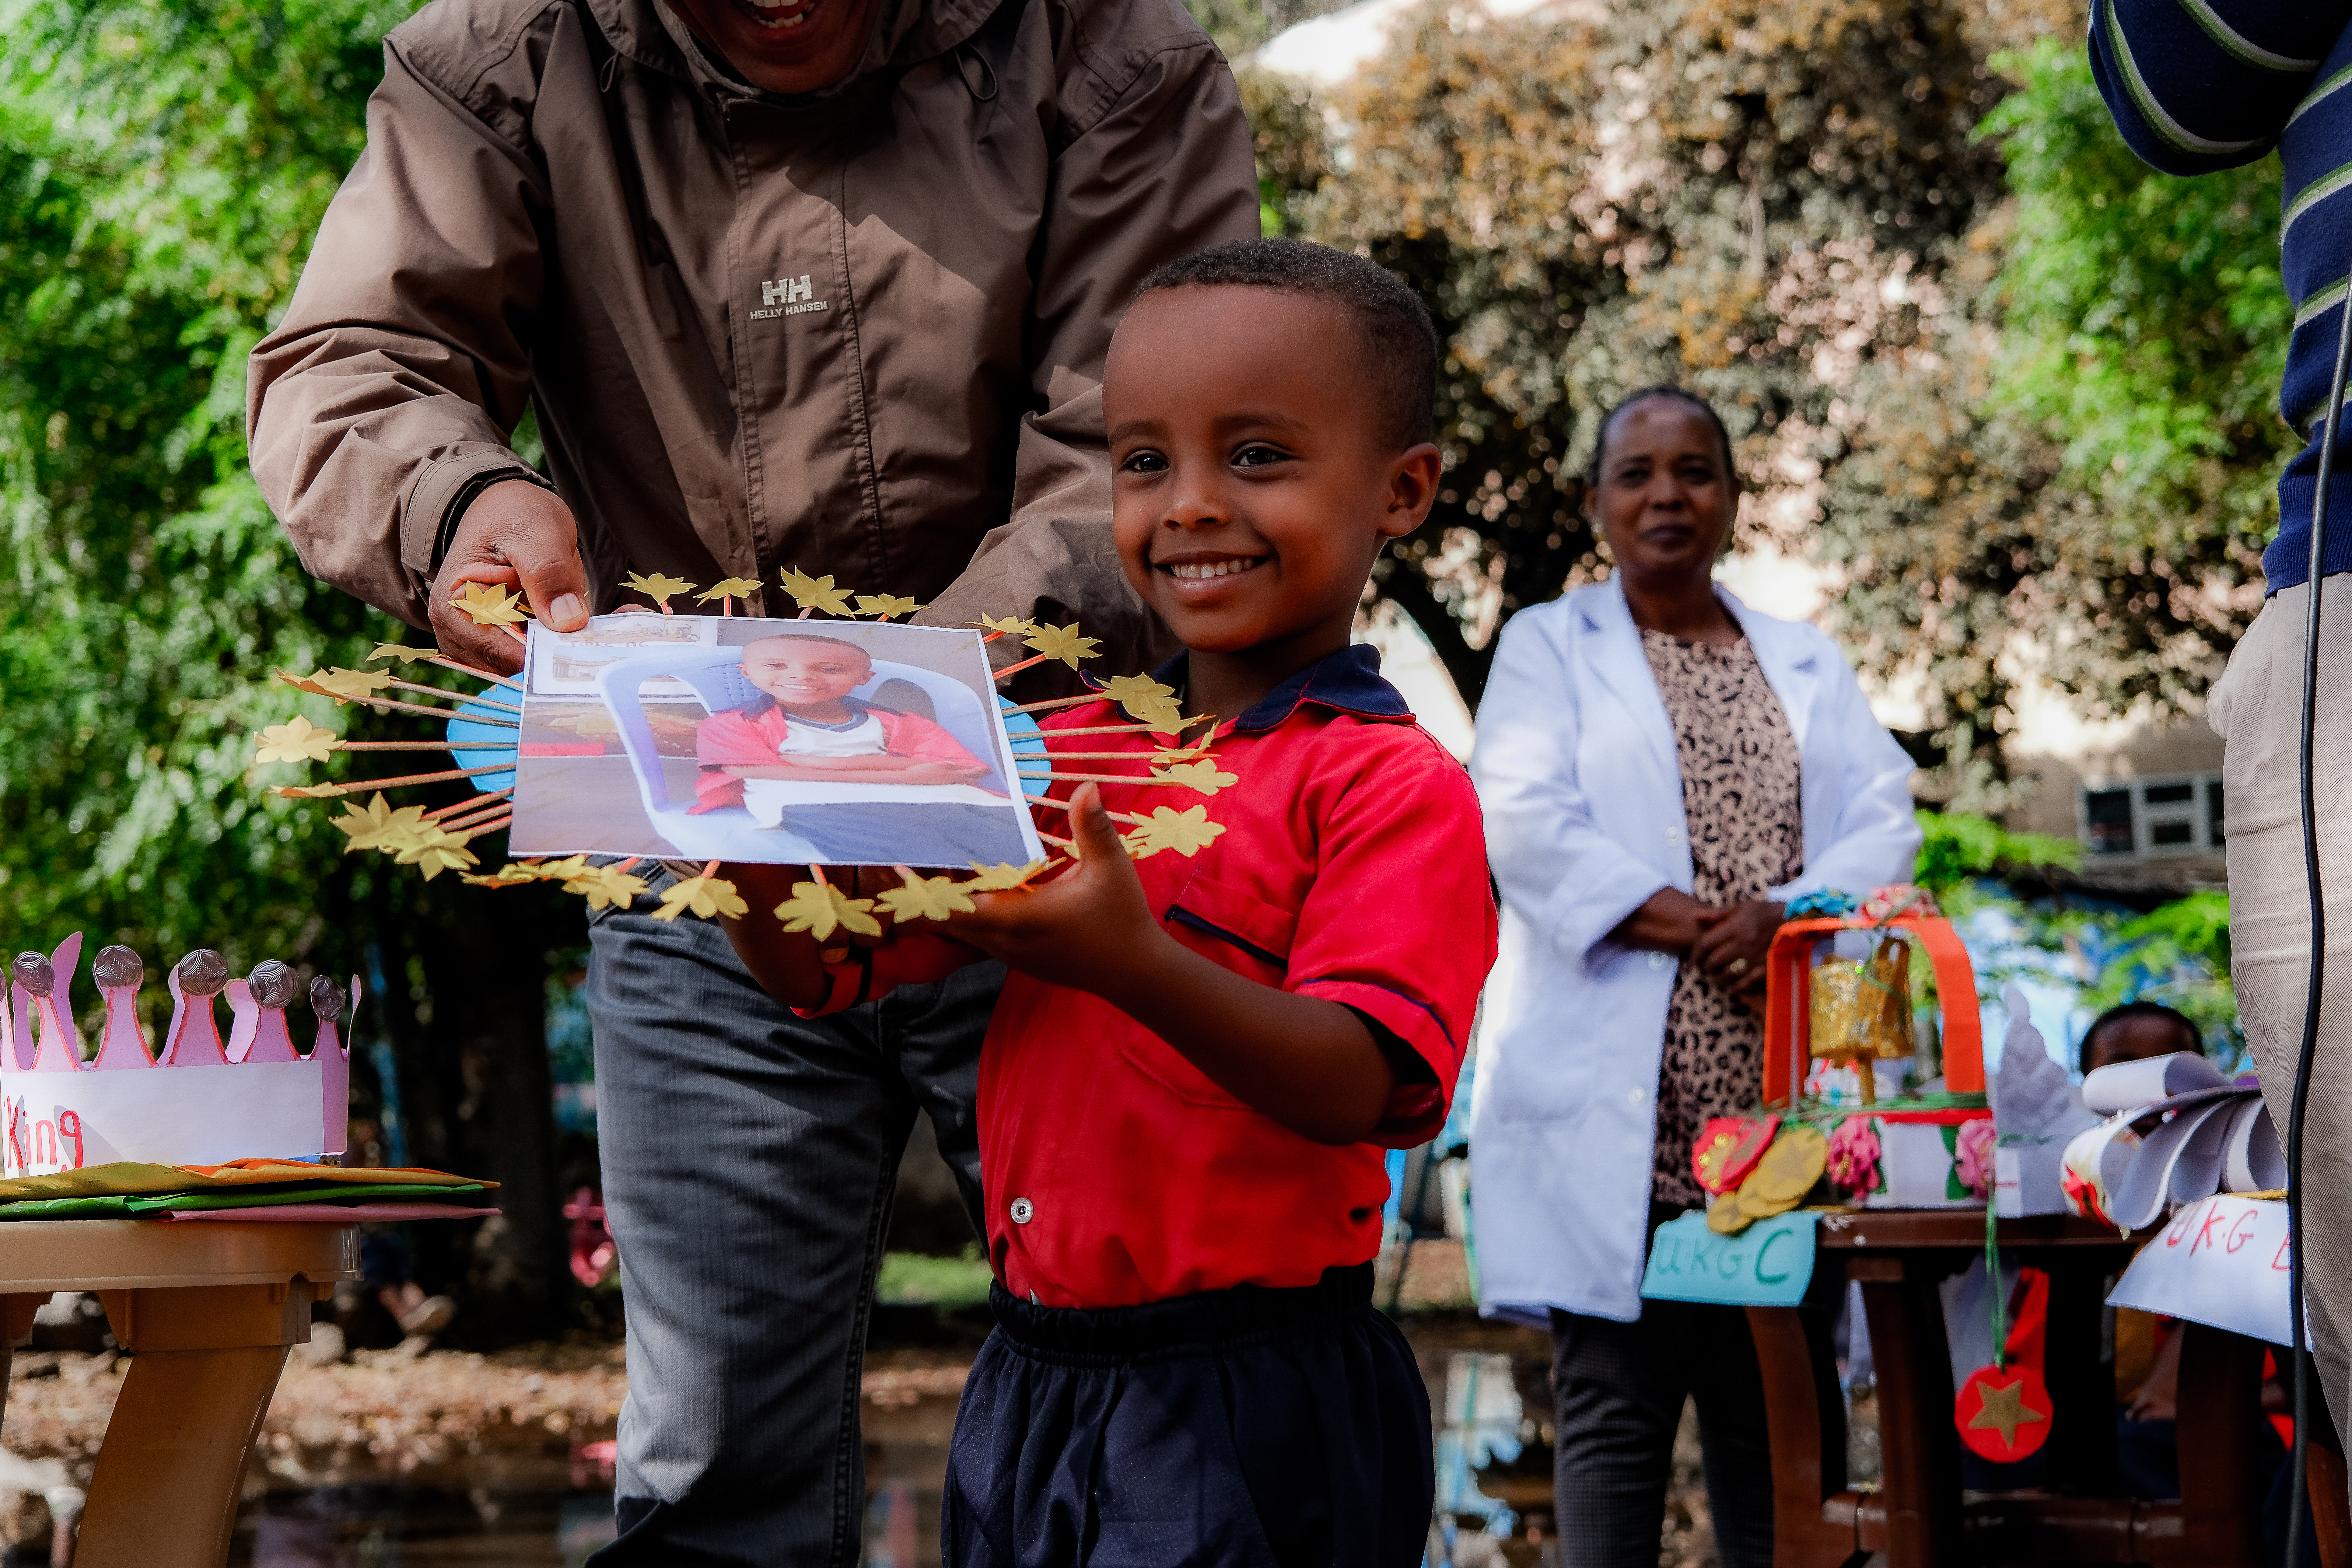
x: 1250, y: 1427
x: 1620, y: 1388
x: 749, y: 1157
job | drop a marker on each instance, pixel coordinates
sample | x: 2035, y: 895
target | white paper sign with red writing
x: 2222, y: 1261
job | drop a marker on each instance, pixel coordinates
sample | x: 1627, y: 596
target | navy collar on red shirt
x: 1347, y: 681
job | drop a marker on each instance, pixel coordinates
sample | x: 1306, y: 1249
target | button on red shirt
x: 1352, y: 866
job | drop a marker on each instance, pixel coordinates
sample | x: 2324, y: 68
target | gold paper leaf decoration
x: 660, y: 589
x: 882, y: 607
x: 296, y: 740
x: 367, y: 825
x: 1012, y: 625
x: 820, y: 909
x: 1204, y: 777
x: 606, y: 885
x: 311, y: 792
x: 514, y: 874
x: 1188, y: 832
x: 349, y: 685
x: 815, y: 592
x: 487, y: 604
x: 1001, y: 878
x: 925, y: 898
x: 1062, y: 642
x: 705, y: 896
x: 433, y: 849
x: 728, y: 588
x: 406, y: 655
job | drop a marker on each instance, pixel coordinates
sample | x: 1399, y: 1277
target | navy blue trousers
x: 1254, y: 1427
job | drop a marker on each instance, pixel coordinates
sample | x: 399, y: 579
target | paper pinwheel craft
x: 483, y: 722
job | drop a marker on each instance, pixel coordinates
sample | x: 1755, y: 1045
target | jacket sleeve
x: 2201, y: 84
x: 399, y: 368
x: 1876, y: 837
x: 1157, y: 169
x: 1558, y: 870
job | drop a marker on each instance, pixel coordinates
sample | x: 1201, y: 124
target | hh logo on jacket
x: 786, y: 297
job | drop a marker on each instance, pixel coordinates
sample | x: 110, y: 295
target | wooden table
x: 209, y: 1310
x: 1918, y: 1516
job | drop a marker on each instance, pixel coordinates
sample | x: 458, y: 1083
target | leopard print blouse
x: 1746, y: 833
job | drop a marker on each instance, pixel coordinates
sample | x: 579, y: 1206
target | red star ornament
x: 2004, y: 1415
x: 1727, y: 1149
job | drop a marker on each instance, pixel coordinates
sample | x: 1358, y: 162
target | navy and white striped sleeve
x: 2201, y: 84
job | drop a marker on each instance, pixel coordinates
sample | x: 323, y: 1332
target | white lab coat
x: 1578, y: 772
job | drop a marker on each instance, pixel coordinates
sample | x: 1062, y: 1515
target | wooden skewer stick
x: 386, y: 704
x: 358, y: 785
x: 1105, y: 729
x: 712, y: 868
x: 446, y: 662
x: 455, y: 696
x: 1107, y: 778
x: 1057, y: 843
x: 475, y: 830
x: 1056, y: 702
x: 1017, y: 668
x: 514, y: 634
x: 1065, y: 806
x: 424, y: 746
x: 478, y: 800
x: 475, y: 821
x: 1025, y: 759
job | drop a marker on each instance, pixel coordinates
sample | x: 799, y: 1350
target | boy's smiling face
x: 1252, y: 486
x: 805, y: 672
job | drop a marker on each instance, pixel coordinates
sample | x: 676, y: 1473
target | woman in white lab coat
x: 1662, y: 769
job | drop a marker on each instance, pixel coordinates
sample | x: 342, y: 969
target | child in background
x: 1199, y: 1056
x: 809, y: 729
x: 2135, y: 1032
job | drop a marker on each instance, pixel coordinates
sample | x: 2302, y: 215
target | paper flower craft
x: 1727, y: 1149
x: 925, y: 898
x: 1853, y: 1157
x: 815, y: 592
x: 705, y: 895
x: 821, y: 908
x: 1972, y: 1156
x: 443, y: 838
x: 487, y: 604
x: 659, y: 588
x: 296, y: 740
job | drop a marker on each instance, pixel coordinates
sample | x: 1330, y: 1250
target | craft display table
x: 209, y: 1310
x: 1917, y: 1517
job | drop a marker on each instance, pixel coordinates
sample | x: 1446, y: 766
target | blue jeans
x: 749, y: 1157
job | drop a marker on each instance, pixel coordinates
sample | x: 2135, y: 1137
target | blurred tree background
x: 1976, y: 358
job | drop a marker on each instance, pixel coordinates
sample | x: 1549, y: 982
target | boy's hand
x: 1090, y: 929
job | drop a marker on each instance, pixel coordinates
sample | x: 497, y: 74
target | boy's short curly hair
x: 1399, y: 339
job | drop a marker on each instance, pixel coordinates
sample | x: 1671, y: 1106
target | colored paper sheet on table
x: 1770, y: 1263
x: 131, y: 1177
x: 330, y: 1214
x: 2224, y: 1262
x: 125, y: 1206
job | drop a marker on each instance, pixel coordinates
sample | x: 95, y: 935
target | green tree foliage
x: 1957, y: 847
x: 1986, y: 369
x: 164, y: 164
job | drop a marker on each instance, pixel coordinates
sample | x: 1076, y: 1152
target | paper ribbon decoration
x: 2004, y: 1415
x: 2215, y: 1136
x: 1780, y: 1182
x: 1728, y: 1148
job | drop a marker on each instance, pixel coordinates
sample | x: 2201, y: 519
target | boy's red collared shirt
x: 1352, y: 866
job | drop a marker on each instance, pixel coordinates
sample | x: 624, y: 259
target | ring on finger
x: 1739, y: 966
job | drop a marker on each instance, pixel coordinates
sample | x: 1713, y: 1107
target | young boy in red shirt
x: 1199, y: 1056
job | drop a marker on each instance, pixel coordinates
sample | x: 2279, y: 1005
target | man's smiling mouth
x: 782, y: 14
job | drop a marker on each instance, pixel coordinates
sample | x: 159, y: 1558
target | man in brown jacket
x: 822, y: 284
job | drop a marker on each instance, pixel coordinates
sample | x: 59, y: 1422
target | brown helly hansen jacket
x: 860, y: 332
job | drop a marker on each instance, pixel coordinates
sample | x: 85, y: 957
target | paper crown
x: 197, y: 1101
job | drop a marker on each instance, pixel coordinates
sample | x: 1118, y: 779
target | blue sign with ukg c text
x: 1768, y: 1264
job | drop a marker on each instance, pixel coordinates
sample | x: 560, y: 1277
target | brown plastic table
x: 1917, y: 1517
x: 209, y: 1310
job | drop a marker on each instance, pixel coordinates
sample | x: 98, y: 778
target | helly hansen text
x: 786, y: 296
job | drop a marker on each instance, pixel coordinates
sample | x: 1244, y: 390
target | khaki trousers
x: 2257, y: 710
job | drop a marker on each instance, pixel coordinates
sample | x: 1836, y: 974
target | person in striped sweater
x: 2197, y: 86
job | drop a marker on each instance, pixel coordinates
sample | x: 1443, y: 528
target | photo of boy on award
x: 780, y: 741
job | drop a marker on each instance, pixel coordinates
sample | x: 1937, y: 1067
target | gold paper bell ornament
x: 1862, y: 1010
